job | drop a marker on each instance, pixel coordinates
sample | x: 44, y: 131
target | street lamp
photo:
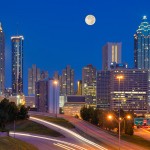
x: 55, y: 83
x: 119, y: 77
x: 119, y: 120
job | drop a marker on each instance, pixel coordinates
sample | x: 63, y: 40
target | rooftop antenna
x: 17, y: 28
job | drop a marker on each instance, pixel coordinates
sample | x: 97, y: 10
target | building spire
x: 144, y: 18
x: 0, y: 26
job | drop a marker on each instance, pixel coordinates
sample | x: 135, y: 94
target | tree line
x: 9, y: 112
x: 100, y: 118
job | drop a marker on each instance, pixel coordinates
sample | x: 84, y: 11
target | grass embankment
x: 33, y: 127
x: 58, y: 121
x: 8, y: 143
x: 136, y: 140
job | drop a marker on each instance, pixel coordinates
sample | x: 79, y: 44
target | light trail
x: 63, y: 146
x: 45, y: 138
x: 71, y: 132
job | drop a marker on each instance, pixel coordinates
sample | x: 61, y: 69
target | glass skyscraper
x: 2, y: 61
x: 142, y: 45
x: 17, y: 64
x: 142, y: 50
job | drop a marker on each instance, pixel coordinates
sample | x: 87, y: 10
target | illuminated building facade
x: 2, y: 61
x: 111, y: 53
x: 79, y: 87
x: 17, y: 64
x: 89, y: 84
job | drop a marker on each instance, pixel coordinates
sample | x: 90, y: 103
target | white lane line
x: 71, y: 132
x: 64, y: 146
x: 50, y: 139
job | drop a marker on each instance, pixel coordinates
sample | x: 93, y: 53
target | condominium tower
x: 2, y: 61
x: 111, y: 53
x: 17, y: 64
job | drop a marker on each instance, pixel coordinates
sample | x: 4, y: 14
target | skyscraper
x: 17, y: 64
x: 142, y: 49
x: 33, y: 76
x: 142, y: 45
x: 2, y: 61
x: 89, y: 84
x: 67, y: 81
x: 111, y: 53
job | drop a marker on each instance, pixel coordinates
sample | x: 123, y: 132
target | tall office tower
x: 2, y: 61
x: 89, y: 84
x: 33, y: 76
x: 44, y: 75
x: 17, y: 64
x: 67, y: 81
x: 142, y: 46
x: 111, y: 53
x: 142, y: 49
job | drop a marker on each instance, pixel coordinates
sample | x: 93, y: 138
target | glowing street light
x: 119, y: 120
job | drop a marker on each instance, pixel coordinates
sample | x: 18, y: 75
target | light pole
x: 119, y: 120
x: 119, y: 77
x: 56, y: 84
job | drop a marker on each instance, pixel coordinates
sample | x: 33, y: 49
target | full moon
x: 90, y: 20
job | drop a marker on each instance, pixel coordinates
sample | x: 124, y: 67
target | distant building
x: 2, y: 61
x: 44, y: 75
x: 89, y: 84
x: 73, y: 105
x: 30, y: 101
x: 47, y: 96
x: 111, y: 53
x: 33, y: 76
x: 67, y: 81
x: 131, y: 93
x: 103, y: 89
x: 17, y: 64
x: 8, y: 92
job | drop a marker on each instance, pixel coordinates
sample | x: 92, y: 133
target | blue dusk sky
x: 56, y: 34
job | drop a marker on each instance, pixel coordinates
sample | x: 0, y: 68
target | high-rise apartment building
x: 33, y: 76
x: 2, y: 61
x: 111, y: 53
x: 79, y: 87
x: 17, y: 64
x: 67, y: 81
x: 89, y: 84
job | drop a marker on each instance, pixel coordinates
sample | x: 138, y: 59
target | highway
x: 70, y: 136
x: 101, y: 135
x: 143, y: 133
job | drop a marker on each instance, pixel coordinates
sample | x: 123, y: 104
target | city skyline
x: 59, y: 32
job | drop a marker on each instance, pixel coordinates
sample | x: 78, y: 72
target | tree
x: 23, y: 112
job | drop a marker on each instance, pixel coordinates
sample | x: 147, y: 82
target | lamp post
x: 119, y: 120
x: 119, y: 77
x: 55, y: 83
